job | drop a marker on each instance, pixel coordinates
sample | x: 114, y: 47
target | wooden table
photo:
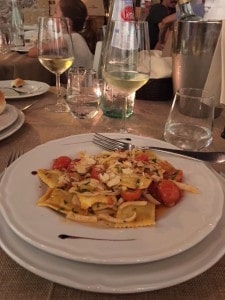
x: 40, y: 127
x: 15, y: 64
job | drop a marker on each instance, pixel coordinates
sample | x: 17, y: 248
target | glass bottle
x: 112, y: 100
x: 17, y: 25
x: 186, y: 11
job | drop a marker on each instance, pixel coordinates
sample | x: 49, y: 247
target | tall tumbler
x: 193, y: 46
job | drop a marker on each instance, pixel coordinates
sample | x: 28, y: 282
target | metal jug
x: 193, y: 46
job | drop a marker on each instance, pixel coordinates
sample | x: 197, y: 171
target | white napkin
x: 216, y: 76
x: 161, y: 67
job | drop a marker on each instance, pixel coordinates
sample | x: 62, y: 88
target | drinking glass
x: 190, y: 122
x: 55, y: 52
x: 126, y: 63
x: 83, y: 93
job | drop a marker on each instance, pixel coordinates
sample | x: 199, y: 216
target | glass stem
x: 58, y: 89
x: 124, y: 115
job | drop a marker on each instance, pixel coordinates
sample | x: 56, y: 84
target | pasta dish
x: 119, y: 189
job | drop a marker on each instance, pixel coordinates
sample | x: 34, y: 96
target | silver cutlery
x: 27, y: 106
x: 113, y: 144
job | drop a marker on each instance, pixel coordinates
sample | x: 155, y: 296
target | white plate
x: 33, y: 88
x: 8, y: 116
x: 181, y: 228
x: 117, y: 279
x: 14, y: 127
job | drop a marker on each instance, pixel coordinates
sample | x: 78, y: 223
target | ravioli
x: 50, y: 177
x: 145, y: 214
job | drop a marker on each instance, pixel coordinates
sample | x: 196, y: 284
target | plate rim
x: 13, y: 127
x: 207, y: 260
x: 15, y: 117
x: 46, y: 87
x: 22, y: 49
x: 65, y: 253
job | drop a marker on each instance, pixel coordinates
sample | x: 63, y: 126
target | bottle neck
x: 17, y: 17
x: 186, y: 10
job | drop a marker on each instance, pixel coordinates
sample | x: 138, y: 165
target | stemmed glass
x: 55, y: 53
x: 126, y: 63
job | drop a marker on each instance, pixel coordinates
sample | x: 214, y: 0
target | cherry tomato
x: 165, y: 191
x: 72, y: 164
x: 95, y: 171
x: 169, y: 192
x: 62, y: 162
x: 142, y: 157
x: 131, y: 195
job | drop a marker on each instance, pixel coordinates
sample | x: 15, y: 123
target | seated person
x: 166, y: 25
x: 83, y: 33
x: 165, y: 30
x: 156, y: 14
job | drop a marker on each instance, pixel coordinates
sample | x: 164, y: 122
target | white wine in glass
x: 126, y: 65
x: 55, y: 52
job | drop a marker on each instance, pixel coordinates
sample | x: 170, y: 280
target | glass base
x: 117, y: 114
x: 128, y: 130
x: 58, y: 108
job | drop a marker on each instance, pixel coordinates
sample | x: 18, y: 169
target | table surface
x: 15, y: 64
x: 41, y: 126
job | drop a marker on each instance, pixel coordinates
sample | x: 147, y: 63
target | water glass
x: 83, y: 93
x: 190, y: 122
x: 75, y: 77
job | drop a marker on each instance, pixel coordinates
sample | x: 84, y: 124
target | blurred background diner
x: 83, y: 28
x: 89, y: 20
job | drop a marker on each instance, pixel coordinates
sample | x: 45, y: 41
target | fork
x: 113, y: 144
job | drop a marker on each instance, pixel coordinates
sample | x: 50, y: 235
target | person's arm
x: 164, y: 26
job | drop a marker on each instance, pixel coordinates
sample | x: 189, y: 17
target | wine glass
x: 126, y: 62
x: 55, y: 53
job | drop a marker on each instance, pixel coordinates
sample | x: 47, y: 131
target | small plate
x: 8, y: 117
x: 29, y: 89
x: 14, y: 127
x: 22, y: 49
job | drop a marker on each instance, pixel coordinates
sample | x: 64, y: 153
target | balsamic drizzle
x: 66, y: 236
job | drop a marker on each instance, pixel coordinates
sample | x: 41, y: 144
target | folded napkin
x: 161, y: 67
x: 215, y: 82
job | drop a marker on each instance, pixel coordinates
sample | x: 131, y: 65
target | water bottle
x: 111, y: 100
x: 17, y: 25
